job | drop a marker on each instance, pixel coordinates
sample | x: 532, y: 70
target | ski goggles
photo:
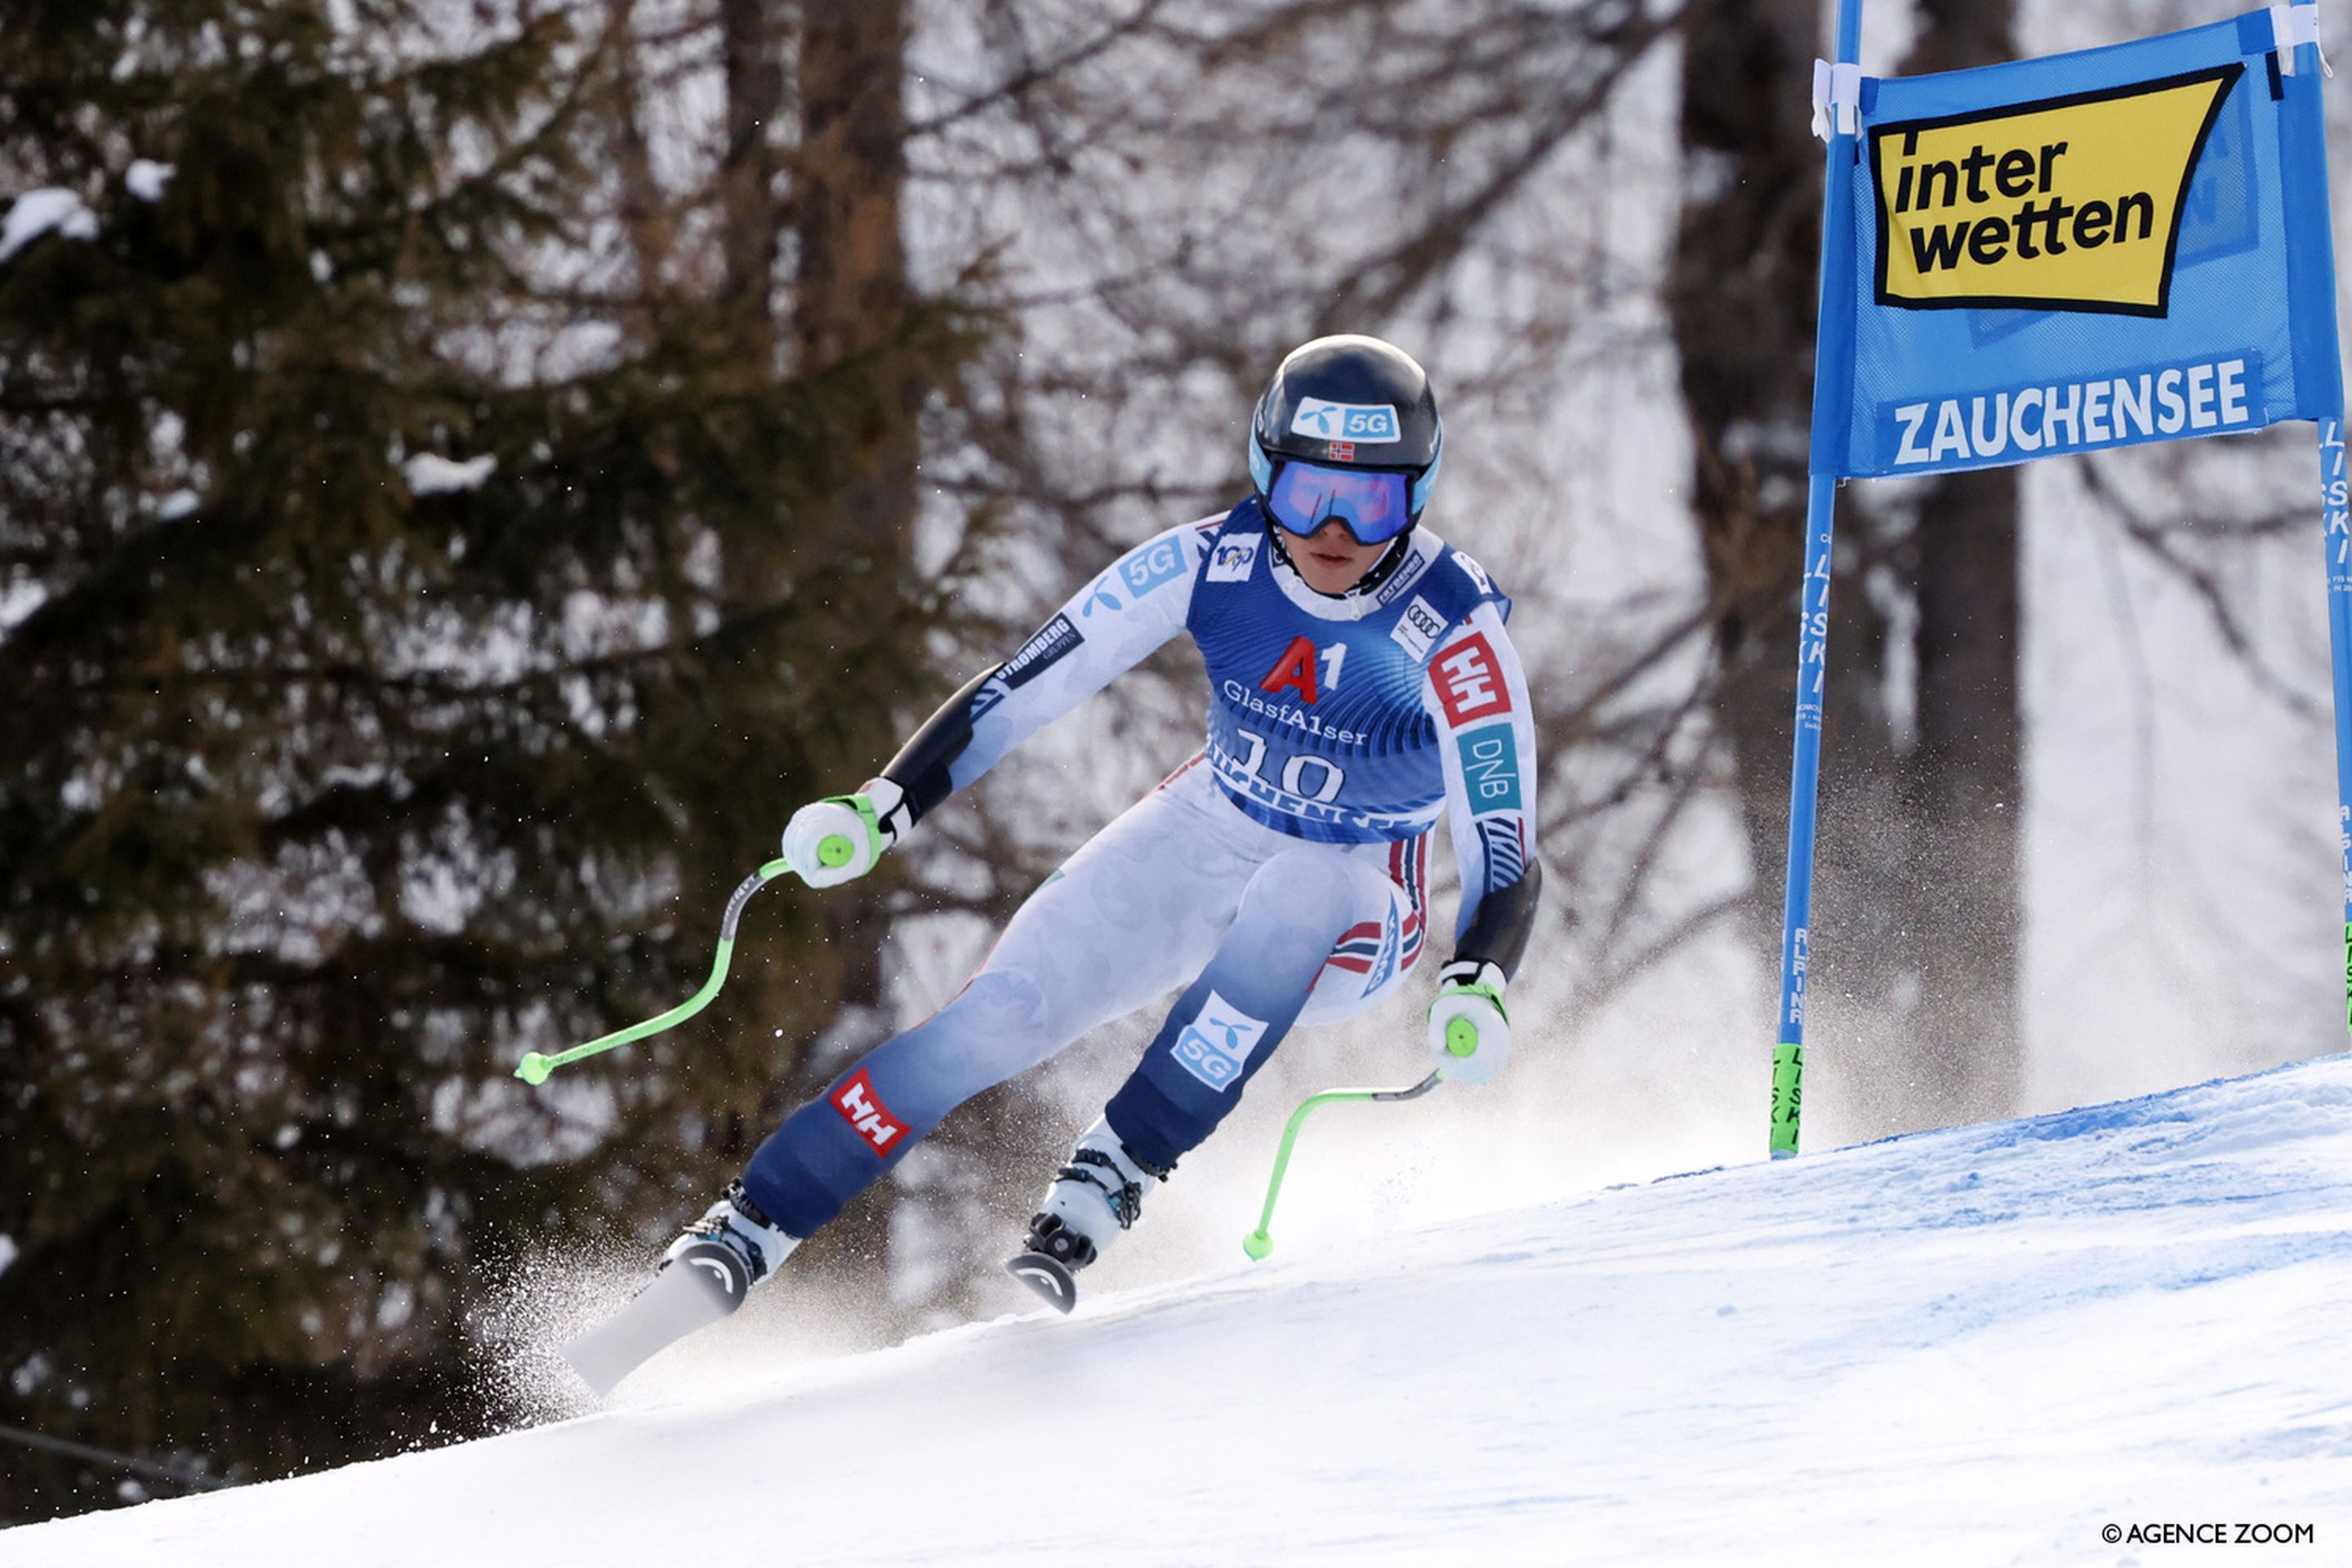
x: 1375, y: 505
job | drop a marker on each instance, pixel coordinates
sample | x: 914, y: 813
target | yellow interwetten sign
x: 2068, y: 203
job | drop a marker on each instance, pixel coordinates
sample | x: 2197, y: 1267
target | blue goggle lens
x: 1373, y: 506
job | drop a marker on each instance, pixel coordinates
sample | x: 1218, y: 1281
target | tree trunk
x: 1963, y: 776
x: 1916, y: 906
x: 852, y: 300
x: 752, y: 50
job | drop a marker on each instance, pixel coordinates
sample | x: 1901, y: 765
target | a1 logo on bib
x: 2064, y: 203
x: 1368, y: 424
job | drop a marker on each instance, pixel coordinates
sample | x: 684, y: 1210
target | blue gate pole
x: 1833, y: 379
x: 2338, y: 536
x: 2319, y: 372
x: 2334, y: 505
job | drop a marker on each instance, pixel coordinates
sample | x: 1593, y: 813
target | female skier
x: 1359, y: 682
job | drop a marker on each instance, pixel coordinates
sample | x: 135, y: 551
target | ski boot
x: 703, y: 1278
x: 1094, y: 1197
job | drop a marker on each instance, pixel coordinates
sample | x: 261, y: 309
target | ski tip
x: 1047, y: 1277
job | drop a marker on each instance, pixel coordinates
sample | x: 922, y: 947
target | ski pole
x: 534, y: 1067
x: 1260, y: 1242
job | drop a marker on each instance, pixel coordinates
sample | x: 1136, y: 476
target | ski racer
x: 1361, y: 683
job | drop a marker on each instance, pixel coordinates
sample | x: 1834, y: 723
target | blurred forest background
x: 468, y: 468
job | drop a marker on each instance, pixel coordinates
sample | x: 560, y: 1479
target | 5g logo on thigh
x: 1215, y: 1046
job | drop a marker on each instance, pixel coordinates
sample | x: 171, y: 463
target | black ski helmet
x: 1348, y: 401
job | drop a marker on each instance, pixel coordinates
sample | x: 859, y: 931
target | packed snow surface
x: 1986, y: 1345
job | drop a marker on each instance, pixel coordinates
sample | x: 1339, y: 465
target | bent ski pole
x: 534, y: 1067
x: 1260, y: 1242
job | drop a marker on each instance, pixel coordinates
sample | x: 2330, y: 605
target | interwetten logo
x: 2065, y: 204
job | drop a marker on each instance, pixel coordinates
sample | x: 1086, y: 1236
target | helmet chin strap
x: 1383, y: 569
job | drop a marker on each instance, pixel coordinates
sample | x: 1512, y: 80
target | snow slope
x: 1977, y: 1346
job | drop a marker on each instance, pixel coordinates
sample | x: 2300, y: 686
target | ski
x: 676, y: 1302
x: 1048, y: 1276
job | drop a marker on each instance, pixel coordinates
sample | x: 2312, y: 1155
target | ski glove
x: 842, y: 835
x: 1469, y: 1033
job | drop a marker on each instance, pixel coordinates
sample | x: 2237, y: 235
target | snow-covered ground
x: 1979, y: 1346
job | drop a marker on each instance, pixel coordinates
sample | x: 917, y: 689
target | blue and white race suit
x: 1278, y: 878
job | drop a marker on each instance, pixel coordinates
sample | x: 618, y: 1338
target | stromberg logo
x: 1406, y: 575
x: 1054, y: 642
x: 2065, y: 204
x: 1373, y: 424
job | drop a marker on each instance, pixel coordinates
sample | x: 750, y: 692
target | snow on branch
x: 36, y: 213
x: 431, y: 473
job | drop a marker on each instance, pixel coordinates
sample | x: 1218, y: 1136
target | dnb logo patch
x: 2064, y: 203
x: 1215, y: 1046
x: 1367, y: 424
x: 1490, y: 769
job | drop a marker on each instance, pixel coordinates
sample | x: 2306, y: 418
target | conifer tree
x: 409, y: 635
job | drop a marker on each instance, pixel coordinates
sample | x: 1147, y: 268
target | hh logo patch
x: 867, y: 1116
x: 1416, y: 630
x: 1371, y: 423
x: 1216, y: 1045
x: 2067, y: 203
x: 1232, y: 560
x: 1490, y: 769
x: 1469, y: 684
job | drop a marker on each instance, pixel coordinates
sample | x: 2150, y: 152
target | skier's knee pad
x: 1000, y: 1000
x: 997, y: 1025
x: 1302, y: 888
